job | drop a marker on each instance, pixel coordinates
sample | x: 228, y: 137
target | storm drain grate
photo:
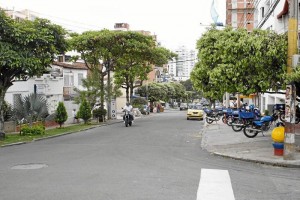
x: 30, y: 166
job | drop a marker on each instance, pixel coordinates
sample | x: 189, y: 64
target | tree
x: 85, y: 111
x: 27, y: 48
x: 138, y: 60
x: 237, y: 61
x: 128, y: 53
x: 61, y: 115
x: 191, y: 93
x: 162, y: 91
x: 30, y: 108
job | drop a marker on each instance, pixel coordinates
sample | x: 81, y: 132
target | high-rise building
x: 240, y: 14
x: 181, y: 67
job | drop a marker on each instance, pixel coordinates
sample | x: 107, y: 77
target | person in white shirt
x: 128, y: 108
x: 233, y: 104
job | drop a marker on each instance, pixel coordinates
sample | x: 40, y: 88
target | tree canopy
x: 236, y: 61
x: 27, y: 48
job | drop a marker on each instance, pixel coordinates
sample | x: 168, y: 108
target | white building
x: 181, y: 67
x: 272, y: 15
x: 57, y: 86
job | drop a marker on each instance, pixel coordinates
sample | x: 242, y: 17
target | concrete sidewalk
x: 220, y: 139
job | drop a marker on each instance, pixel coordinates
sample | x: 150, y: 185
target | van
x: 183, y: 106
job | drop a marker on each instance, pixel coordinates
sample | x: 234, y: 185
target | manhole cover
x: 30, y: 166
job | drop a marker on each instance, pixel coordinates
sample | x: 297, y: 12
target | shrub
x: 34, y: 130
x: 266, y: 112
x: 61, y: 114
x: 99, y: 113
x: 84, y: 111
x: 136, y: 102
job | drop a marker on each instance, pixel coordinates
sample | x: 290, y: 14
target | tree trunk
x: 131, y: 89
x: 3, y: 90
x: 127, y: 93
x: 101, y: 77
x: 108, y: 92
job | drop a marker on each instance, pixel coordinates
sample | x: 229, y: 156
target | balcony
x: 69, y: 93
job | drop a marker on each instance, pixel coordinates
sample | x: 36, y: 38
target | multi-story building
x: 240, y: 14
x: 21, y: 15
x: 272, y: 15
x: 181, y: 67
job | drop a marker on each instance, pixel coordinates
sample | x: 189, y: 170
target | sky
x: 176, y: 23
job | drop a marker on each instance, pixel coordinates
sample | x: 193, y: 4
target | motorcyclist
x: 128, y: 108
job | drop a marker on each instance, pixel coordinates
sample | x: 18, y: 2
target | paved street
x: 159, y: 157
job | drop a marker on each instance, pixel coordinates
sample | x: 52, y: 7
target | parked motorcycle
x: 279, y: 109
x: 211, y: 115
x: 262, y: 125
x: 128, y: 118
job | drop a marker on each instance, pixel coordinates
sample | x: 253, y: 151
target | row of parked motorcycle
x: 249, y: 119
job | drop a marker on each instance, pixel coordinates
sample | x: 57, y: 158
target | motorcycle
x: 211, y: 115
x: 279, y: 109
x: 128, y: 118
x: 262, y: 125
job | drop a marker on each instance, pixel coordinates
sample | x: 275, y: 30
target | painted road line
x: 215, y: 185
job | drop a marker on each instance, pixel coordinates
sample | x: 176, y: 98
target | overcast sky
x: 175, y: 23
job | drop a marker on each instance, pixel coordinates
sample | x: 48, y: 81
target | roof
x: 76, y: 65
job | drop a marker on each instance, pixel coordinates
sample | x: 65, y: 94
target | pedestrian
x: 75, y: 118
x: 233, y: 104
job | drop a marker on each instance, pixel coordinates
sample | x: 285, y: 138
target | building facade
x: 272, y: 15
x: 240, y: 14
x: 181, y: 67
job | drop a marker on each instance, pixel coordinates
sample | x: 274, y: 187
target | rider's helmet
x: 127, y: 103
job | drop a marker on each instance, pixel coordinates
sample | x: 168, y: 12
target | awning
x: 285, y: 10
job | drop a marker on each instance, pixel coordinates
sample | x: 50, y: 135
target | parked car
x: 195, y: 112
x: 183, y: 106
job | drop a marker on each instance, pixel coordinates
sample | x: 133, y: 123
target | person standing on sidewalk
x: 74, y: 114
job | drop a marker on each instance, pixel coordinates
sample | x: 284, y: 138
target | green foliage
x: 129, y: 54
x: 162, y: 91
x: 7, y: 110
x: 99, y: 113
x: 84, y: 111
x: 61, y: 115
x: 31, y: 108
x: 237, y: 61
x: 137, y: 102
x: 266, y: 112
x: 32, y: 130
x: 27, y: 48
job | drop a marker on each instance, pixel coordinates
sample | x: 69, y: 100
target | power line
x: 64, y: 22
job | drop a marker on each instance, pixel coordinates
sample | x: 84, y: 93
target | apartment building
x: 240, y: 14
x: 272, y: 15
x: 180, y: 68
x: 21, y: 15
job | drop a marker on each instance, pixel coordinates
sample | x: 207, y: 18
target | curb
x: 277, y: 164
x: 207, y: 130
x: 54, y: 136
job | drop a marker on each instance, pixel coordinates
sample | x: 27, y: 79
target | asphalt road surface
x: 158, y: 158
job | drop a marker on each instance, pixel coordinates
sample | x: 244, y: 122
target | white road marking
x: 215, y: 185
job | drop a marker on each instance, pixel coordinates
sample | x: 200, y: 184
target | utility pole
x: 289, y: 136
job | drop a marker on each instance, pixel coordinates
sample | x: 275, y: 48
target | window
x: 16, y: 98
x: 80, y: 77
x: 262, y: 9
x: 68, y: 79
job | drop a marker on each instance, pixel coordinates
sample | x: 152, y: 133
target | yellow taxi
x: 195, y: 112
